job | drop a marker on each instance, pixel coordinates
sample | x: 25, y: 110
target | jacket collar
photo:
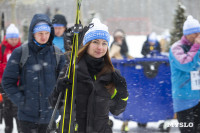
x: 185, y: 41
x: 83, y: 72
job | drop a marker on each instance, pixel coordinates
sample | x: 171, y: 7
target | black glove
x: 120, y: 84
x: 63, y: 84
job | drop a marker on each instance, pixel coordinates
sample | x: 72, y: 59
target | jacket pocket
x: 30, y: 106
x: 101, y: 107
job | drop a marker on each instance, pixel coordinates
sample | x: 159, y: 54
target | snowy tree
x: 179, y: 19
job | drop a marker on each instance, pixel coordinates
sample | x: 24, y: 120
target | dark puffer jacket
x: 93, y: 102
x: 37, y: 77
x: 147, y: 50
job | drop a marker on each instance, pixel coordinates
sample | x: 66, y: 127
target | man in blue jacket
x: 184, y: 59
x: 59, y: 23
x: 36, y: 77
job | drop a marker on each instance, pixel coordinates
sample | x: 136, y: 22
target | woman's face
x: 13, y: 41
x: 97, y: 48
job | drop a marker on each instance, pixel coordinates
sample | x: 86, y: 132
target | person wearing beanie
x: 119, y: 48
x: 10, y: 42
x: 60, y: 25
x: 36, y: 77
x: 151, y: 46
x: 184, y: 62
x: 100, y: 88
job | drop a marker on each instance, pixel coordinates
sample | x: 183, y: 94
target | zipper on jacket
x: 40, y: 95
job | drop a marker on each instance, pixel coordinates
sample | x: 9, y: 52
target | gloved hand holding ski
x: 120, y: 84
x: 63, y: 84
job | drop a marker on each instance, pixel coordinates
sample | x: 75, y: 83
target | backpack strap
x: 57, y: 54
x: 25, y: 54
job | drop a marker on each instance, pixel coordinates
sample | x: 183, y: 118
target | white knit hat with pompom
x: 191, y: 26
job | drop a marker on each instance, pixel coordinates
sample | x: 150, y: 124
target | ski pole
x: 49, y: 128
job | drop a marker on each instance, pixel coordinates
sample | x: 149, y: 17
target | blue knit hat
x: 191, y: 26
x: 98, y: 31
x: 41, y: 26
x: 12, y: 32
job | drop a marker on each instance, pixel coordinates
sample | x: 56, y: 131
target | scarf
x: 95, y: 65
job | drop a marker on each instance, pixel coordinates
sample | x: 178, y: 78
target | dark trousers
x: 9, y: 122
x: 10, y: 112
x: 30, y: 127
x: 190, y: 117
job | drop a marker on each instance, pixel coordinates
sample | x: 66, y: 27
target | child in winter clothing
x: 37, y: 76
x: 10, y: 42
x: 119, y: 48
x: 100, y: 88
x: 151, y: 46
x: 184, y: 59
x: 60, y: 25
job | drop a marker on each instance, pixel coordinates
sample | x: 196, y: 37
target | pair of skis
x: 2, y: 34
x: 2, y: 28
x: 71, y: 70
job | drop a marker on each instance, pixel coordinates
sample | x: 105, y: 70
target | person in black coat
x: 100, y: 88
x: 37, y: 77
x: 151, y: 46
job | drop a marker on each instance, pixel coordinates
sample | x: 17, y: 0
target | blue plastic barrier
x: 149, y: 87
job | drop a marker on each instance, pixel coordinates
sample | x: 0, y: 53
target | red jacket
x: 7, y: 52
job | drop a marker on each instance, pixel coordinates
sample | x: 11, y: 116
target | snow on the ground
x: 2, y: 126
x: 152, y: 127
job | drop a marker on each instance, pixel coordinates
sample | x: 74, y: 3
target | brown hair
x: 108, y: 67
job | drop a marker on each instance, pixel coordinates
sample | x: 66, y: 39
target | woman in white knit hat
x: 10, y: 42
x: 96, y: 82
x: 184, y: 59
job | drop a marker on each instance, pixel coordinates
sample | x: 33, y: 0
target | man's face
x: 42, y: 37
x: 191, y: 37
x: 152, y: 43
x: 13, y: 41
x: 59, y: 31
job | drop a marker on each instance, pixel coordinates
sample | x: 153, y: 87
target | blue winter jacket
x: 184, y: 57
x: 59, y: 42
x: 37, y: 77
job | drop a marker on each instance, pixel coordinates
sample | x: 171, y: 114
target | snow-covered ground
x: 152, y: 127
x: 2, y: 126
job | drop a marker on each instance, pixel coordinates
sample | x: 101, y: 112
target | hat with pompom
x: 98, y: 31
x: 191, y: 26
x: 152, y: 37
x: 12, y: 31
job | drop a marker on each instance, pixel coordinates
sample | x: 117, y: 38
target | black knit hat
x: 59, y: 19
